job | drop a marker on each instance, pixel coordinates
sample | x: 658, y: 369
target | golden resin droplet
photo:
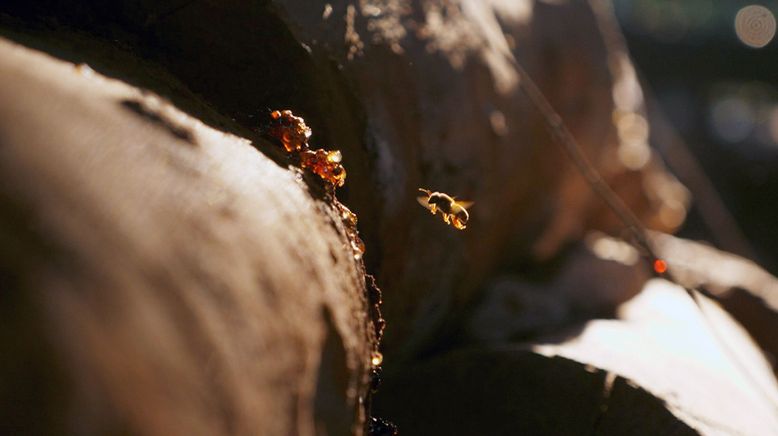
x: 290, y: 130
x: 325, y: 165
x: 334, y: 156
x: 376, y: 359
x: 358, y: 245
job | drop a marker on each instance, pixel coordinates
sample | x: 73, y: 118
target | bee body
x: 452, y: 211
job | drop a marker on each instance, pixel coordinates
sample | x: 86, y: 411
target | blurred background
x: 711, y: 68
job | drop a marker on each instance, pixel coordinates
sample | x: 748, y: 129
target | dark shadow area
x: 332, y: 384
x: 515, y: 391
x: 757, y: 317
x: 157, y: 118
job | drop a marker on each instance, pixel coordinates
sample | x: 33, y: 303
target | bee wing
x: 422, y: 199
x: 465, y: 204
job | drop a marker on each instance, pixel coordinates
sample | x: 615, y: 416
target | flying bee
x: 453, y: 211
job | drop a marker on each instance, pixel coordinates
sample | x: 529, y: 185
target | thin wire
x: 570, y: 146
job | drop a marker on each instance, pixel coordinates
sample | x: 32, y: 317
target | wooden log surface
x: 179, y: 280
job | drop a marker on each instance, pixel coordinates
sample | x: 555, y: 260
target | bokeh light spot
x: 773, y: 125
x: 608, y: 248
x: 499, y: 123
x: 376, y: 358
x: 732, y: 119
x: 634, y: 155
x: 755, y: 26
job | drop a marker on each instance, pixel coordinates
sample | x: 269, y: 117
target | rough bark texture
x: 162, y: 276
x: 181, y: 282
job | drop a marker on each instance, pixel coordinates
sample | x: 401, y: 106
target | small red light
x: 660, y: 266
